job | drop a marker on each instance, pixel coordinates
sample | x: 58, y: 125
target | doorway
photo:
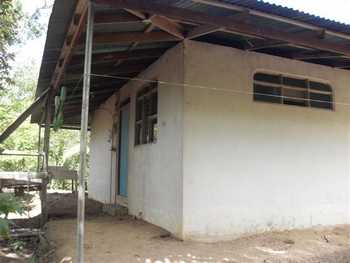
x: 123, y: 150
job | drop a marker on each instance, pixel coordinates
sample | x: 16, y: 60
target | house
x: 211, y: 119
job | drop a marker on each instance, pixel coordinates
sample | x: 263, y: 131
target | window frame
x: 146, y: 114
x: 324, y: 89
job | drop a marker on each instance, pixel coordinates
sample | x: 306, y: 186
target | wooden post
x: 83, y: 133
x: 45, y: 180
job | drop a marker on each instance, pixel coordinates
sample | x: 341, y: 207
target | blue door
x: 123, y: 151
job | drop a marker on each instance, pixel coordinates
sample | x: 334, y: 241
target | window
x: 146, y: 126
x: 281, y: 89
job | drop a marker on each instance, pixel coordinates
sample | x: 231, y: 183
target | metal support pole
x: 46, y: 148
x: 39, y: 149
x: 83, y: 134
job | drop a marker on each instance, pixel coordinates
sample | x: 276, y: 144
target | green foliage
x: 17, y: 245
x: 16, y: 95
x: 4, y: 228
x: 10, y: 14
x: 15, y: 100
x: 10, y: 204
x: 33, y: 259
x: 15, y: 28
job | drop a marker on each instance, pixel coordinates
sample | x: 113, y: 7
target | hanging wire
x: 215, y: 89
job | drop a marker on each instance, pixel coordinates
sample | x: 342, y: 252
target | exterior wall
x: 252, y: 166
x: 223, y: 164
x: 154, y: 180
x: 102, y: 159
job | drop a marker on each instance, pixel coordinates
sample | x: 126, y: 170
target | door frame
x: 122, y: 200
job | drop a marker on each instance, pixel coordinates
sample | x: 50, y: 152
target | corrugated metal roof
x: 58, y: 25
x: 63, y: 11
x: 291, y: 13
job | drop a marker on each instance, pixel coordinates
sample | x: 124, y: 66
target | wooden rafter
x: 168, y: 26
x: 137, y: 14
x: 35, y: 105
x: 161, y: 22
x: 317, y: 55
x: 130, y: 37
x: 226, y: 22
x: 110, y: 66
x: 115, y: 56
x: 72, y: 37
x: 269, y: 44
x: 108, y: 71
x: 105, y: 18
x: 202, y: 30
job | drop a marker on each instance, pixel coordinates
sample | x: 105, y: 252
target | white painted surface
x: 250, y: 166
x: 101, y: 157
x: 223, y: 164
x: 154, y: 182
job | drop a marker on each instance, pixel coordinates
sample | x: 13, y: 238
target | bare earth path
x: 109, y: 239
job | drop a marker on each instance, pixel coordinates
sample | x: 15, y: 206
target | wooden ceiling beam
x: 112, y: 65
x: 106, y: 89
x: 131, y: 37
x: 96, y: 81
x: 161, y: 22
x: 168, y: 26
x: 114, y: 56
x: 68, y: 104
x: 226, y: 22
x: 107, y: 18
x: 202, y: 30
x: 137, y: 14
x: 318, y: 55
x: 269, y: 44
x: 126, y: 69
x: 72, y: 37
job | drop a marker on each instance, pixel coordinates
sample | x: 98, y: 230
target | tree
x: 10, y: 14
x: 15, y: 28
x: 18, y: 96
x: 17, y: 93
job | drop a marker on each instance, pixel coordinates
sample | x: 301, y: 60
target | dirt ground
x: 61, y: 204
x: 109, y: 239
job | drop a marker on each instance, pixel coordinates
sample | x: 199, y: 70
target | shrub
x: 8, y: 204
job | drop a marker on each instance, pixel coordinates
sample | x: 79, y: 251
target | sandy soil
x: 60, y: 204
x: 109, y: 239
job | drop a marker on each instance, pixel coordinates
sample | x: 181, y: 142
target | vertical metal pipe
x: 39, y: 149
x: 46, y: 149
x: 83, y: 134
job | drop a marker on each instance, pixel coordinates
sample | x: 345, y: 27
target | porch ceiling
x: 129, y: 35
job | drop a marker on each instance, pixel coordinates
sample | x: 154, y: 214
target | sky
x: 338, y: 10
x: 33, y: 49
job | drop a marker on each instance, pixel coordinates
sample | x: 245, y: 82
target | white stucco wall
x: 250, y: 166
x: 223, y: 164
x: 154, y: 181
x: 102, y: 159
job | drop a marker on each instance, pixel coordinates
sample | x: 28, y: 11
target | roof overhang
x: 129, y: 35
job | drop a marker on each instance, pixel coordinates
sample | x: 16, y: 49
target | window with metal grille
x: 146, y: 128
x: 277, y: 88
